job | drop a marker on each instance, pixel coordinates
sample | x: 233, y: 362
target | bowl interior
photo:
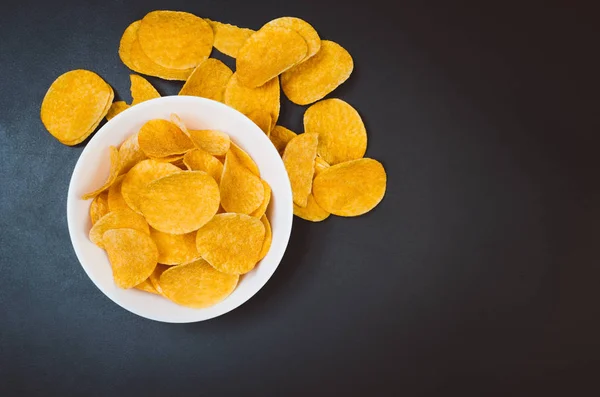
x: 197, y: 113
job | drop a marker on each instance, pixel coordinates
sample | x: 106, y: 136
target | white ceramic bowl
x: 92, y: 170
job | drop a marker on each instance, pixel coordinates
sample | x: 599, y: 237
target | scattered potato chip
x: 99, y: 207
x: 155, y: 278
x: 229, y: 38
x: 304, y: 29
x: 138, y: 178
x: 213, y: 142
x: 320, y: 165
x: 299, y: 161
x: 130, y: 154
x: 268, y: 237
x: 132, y: 255
x: 115, y: 198
x: 342, y: 134
x: 260, y: 211
x: 115, y: 167
x: 146, y: 286
x: 161, y: 138
x: 175, y: 249
x: 312, y: 212
x: 351, y: 188
x: 247, y: 100
x: 280, y: 136
x: 199, y: 160
x: 241, y: 190
x: 197, y: 284
x: 116, y: 108
x: 74, y: 105
x: 121, y: 219
x: 313, y: 79
x: 180, y: 203
x: 141, y: 90
x: 262, y: 119
x: 268, y: 53
x: 174, y: 39
x: 208, y: 80
x: 244, y: 159
x: 231, y: 243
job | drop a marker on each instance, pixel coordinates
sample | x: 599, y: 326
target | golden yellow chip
x: 175, y: 249
x: 199, y: 160
x: 247, y: 100
x: 213, y: 142
x: 130, y: 154
x: 115, y: 198
x: 121, y: 219
x: 342, y: 134
x: 155, y: 278
x: 312, y: 212
x: 141, y: 90
x: 244, y: 159
x: 268, y: 53
x: 280, y: 136
x: 241, y: 190
x: 260, y: 211
x: 304, y: 29
x: 268, y: 237
x: 231, y: 243
x: 174, y: 159
x: 229, y: 38
x: 197, y: 284
x: 299, y: 161
x: 74, y: 105
x: 116, y: 108
x: 351, y: 188
x: 313, y: 79
x: 320, y: 165
x: 161, y: 138
x: 180, y: 203
x: 174, y: 39
x: 208, y: 80
x: 146, y: 286
x: 115, y: 168
x: 262, y: 119
x: 99, y: 207
x: 138, y: 178
x: 132, y: 255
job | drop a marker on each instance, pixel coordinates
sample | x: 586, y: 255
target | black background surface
x: 478, y: 273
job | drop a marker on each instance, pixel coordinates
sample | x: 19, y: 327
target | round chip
x: 116, y: 108
x: 74, y: 105
x: 130, y: 154
x: 146, y: 286
x: 113, y: 173
x: 280, y: 136
x: 312, y: 212
x: 342, y: 134
x: 180, y: 203
x: 260, y: 211
x: 141, y: 90
x: 231, y: 243
x: 208, y: 80
x: 121, y: 219
x: 199, y: 160
x: 229, y: 38
x: 138, y: 178
x: 174, y: 39
x: 241, y: 190
x: 247, y: 100
x: 262, y: 119
x: 268, y: 238
x: 304, y: 29
x: 268, y: 53
x: 299, y: 161
x: 132, y: 255
x: 161, y: 138
x: 213, y: 142
x: 197, y: 284
x: 313, y: 79
x: 244, y: 159
x: 115, y: 198
x: 99, y: 207
x: 351, y: 188
x: 155, y: 277
x: 175, y: 249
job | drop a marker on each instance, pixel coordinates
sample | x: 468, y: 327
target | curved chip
x: 304, y: 29
x: 247, y: 100
x: 199, y: 160
x: 175, y: 39
x: 320, y: 165
x: 132, y: 255
x: 180, y: 203
x: 208, y: 80
x: 146, y: 286
x: 174, y: 159
x: 312, y: 212
x: 99, y: 207
x: 313, y: 79
x: 229, y: 38
x: 161, y: 138
x: 268, y: 238
x: 241, y: 190
x: 244, y: 159
x: 122, y: 219
x: 260, y: 211
x: 268, y: 53
x: 141, y: 90
x: 115, y: 198
x: 197, y: 284
x: 213, y: 142
x: 113, y: 173
x: 299, y: 160
x: 175, y: 249
x: 130, y: 154
x: 116, y: 108
x: 155, y: 278
x: 280, y: 136
x: 262, y: 119
x: 342, y: 134
x: 74, y: 105
x: 231, y: 243
x: 138, y: 178
x: 351, y: 188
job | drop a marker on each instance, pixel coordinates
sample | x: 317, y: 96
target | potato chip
x: 311, y: 80
x: 74, y: 105
x: 132, y: 255
x: 175, y: 119
x: 244, y: 159
x: 304, y: 29
x: 213, y: 142
x: 342, y: 134
x: 241, y: 190
x: 299, y: 161
x: 260, y: 211
x: 161, y: 138
x: 351, y: 188
x: 146, y: 286
x: 174, y: 39
x: 136, y: 180
x: 115, y: 198
x: 262, y: 119
x: 208, y: 80
x: 231, y: 243
x: 199, y: 160
x: 141, y: 90
x: 268, y: 53
x: 180, y: 203
x: 247, y: 100
x: 280, y: 136
x: 115, y: 167
x: 312, y: 212
x: 320, y: 165
x: 99, y: 207
x: 121, y: 219
x: 116, y: 108
x: 197, y: 284
x: 175, y: 249
x: 155, y: 278
x: 229, y: 38
x: 268, y: 237
x: 130, y: 154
